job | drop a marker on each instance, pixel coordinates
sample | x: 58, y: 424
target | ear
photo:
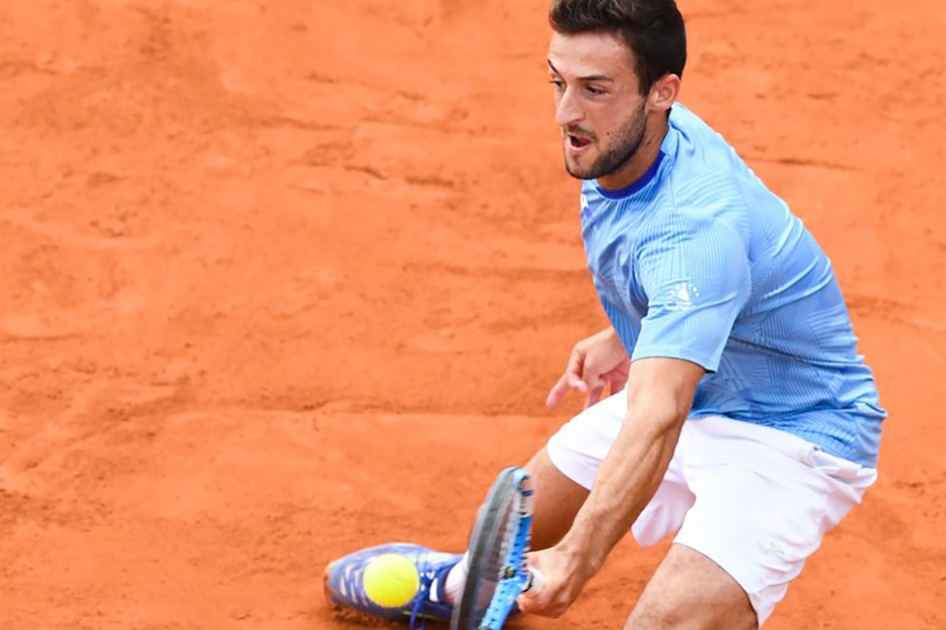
x: 664, y: 93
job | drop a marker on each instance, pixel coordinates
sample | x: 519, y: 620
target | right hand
x: 595, y: 363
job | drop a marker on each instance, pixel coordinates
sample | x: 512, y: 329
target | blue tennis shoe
x: 394, y: 581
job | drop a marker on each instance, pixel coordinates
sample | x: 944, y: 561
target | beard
x: 627, y: 142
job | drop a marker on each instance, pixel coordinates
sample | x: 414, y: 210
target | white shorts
x: 766, y: 497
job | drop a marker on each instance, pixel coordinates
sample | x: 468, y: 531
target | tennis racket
x: 497, y: 571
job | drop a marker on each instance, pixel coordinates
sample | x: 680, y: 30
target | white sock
x: 455, y: 580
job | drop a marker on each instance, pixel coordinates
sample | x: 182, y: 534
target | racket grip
x: 534, y: 584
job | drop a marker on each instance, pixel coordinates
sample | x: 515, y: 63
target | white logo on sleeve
x: 681, y: 296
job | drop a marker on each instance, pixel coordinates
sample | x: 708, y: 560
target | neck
x: 642, y: 160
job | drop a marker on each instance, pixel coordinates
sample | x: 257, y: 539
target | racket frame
x: 512, y: 495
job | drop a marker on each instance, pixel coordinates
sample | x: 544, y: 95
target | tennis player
x: 741, y: 417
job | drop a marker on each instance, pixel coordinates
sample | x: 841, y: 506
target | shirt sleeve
x: 696, y: 277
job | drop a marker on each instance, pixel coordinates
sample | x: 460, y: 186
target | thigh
x: 691, y: 592
x: 764, y: 501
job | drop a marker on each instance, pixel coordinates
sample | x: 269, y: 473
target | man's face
x: 598, y: 104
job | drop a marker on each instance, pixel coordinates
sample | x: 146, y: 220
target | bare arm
x: 660, y: 393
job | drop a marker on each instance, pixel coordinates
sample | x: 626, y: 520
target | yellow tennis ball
x: 391, y: 580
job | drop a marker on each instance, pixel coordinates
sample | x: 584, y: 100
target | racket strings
x: 512, y: 572
x: 507, y: 568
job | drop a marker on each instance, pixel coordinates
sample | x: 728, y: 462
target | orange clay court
x: 284, y: 279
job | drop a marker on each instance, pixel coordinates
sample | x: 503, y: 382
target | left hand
x: 562, y: 579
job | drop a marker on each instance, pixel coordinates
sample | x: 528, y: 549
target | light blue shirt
x: 698, y: 260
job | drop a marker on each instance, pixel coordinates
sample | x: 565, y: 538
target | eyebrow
x: 588, y: 78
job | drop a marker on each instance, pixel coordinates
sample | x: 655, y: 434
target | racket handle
x: 535, y: 583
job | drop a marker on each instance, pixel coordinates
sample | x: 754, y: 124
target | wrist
x: 581, y: 551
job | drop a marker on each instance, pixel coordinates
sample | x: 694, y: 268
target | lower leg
x: 557, y: 501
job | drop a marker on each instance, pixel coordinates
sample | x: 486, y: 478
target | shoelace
x: 426, y: 580
x: 428, y: 575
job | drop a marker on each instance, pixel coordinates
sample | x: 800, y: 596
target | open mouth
x: 578, y: 142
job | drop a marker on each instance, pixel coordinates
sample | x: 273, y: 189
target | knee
x: 651, y: 614
x: 654, y: 613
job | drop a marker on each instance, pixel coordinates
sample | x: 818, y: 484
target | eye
x: 594, y: 91
x: 558, y: 83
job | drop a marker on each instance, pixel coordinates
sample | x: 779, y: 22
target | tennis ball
x: 391, y: 580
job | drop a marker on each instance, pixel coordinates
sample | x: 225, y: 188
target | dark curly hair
x: 652, y: 29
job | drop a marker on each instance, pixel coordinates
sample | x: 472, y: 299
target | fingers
x: 617, y: 383
x: 597, y: 383
x: 565, y: 383
x: 558, y: 392
x: 551, y: 584
x: 535, y: 585
x: 594, y: 396
x: 526, y: 599
x: 571, y: 379
x: 535, y: 600
x: 525, y: 605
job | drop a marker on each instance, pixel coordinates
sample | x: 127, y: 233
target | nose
x: 567, y: 110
